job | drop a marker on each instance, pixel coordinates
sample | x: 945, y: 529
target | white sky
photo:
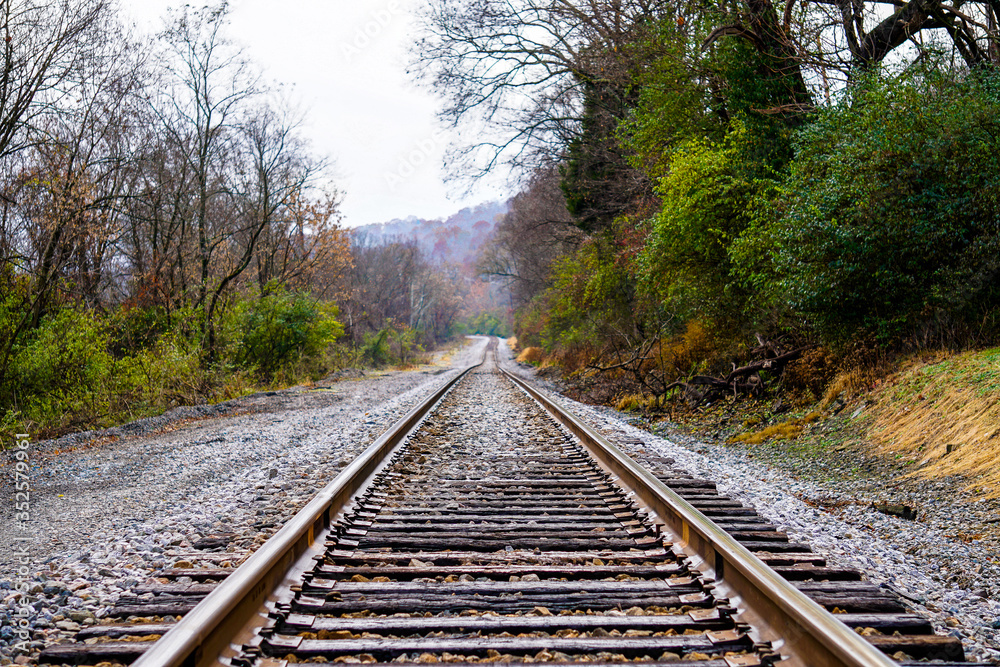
x: 344, y: 64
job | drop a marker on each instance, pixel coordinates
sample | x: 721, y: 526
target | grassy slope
x: 950, y: 403
x: 906, y: 423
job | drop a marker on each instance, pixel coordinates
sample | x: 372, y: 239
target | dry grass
x: 805, y: 378
x: 512, y: 342
x: 684, y: 353
x: 630, y: 402
x: 937, y: 403
x: 858, y: 380
x: 531, y: 355
x: 788, y: 430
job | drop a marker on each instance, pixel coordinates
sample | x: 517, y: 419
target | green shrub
x: 67, y: 365
x: 131, y: 329
x: 392, y: 345
x: 890, y: 217
x: 65, y: 374
x: 708, y: 198
x: 589, y: 291
x: 14, y: 314
x: 282, y: 330
x: 174, y: 371
x: 83, y: 369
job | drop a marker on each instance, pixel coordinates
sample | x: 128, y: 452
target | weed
x: 789, y: 430
x: 531, y: 355
x: 631, y: 402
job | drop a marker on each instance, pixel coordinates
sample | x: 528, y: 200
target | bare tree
x: 274, y: 184
x: 518, y: 69
x: 230, y: 194
x: 66, y: 172
x: 202, y: 108
x: 45, y: 44
x: 873, y: 30
x: 158, y: 214
x: 834, y: 40
x: 537, y: 231
x: 381, y: 282
x: 305, y: 247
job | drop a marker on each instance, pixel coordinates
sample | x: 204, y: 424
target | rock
x: 901, y: 511
x: 212, y: 542
x: 183, y: 565
x: 779, y: 406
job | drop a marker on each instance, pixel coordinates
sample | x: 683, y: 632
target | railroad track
x: 492, y: 533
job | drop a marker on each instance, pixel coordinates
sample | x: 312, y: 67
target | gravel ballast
x: 195, y: 487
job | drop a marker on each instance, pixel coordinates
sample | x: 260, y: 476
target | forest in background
x: 717, y: 192
x: 715, y: 197
x: 168, y: 237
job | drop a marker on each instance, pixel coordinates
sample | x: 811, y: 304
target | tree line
x: 167, y: 234
x: 703, y: 182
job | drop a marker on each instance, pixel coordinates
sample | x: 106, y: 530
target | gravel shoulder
x: 946, y: 564
x: 204, y: 486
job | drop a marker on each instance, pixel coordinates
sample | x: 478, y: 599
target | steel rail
x: 802, y: 631
x: 205, y: 632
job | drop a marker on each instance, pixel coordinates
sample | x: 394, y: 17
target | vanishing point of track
x: 480, y: 529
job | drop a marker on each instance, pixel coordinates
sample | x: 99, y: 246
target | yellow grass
x: 512, y: 342
x: 531, y: 355
x: 931, y: 405
x: 629, y: 402
x: 858, y: 380
x: 788, y: 430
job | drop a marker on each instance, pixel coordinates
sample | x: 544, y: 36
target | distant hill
x: 455, y: 240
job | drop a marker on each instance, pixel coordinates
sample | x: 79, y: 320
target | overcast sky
x: 344, y: 62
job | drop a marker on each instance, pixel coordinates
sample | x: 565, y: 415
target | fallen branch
x: 742, y: 380
x: 766, y: 364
